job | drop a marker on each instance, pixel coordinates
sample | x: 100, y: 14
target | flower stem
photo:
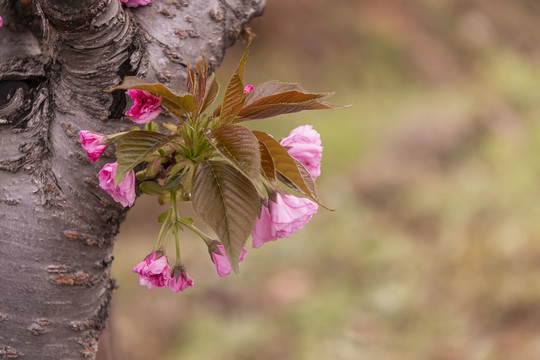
x: 177, y: 242
x: 203, y: 236
x: 162, y: 232
x: 175, y: 224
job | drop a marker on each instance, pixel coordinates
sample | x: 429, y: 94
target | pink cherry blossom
x: 135, y: 3
x: 154, y: 271
x: 146, y: 107
x: 223, y: 266
x: 124, y: 192
x: 248, y: 89
x: 93, y: 143
x: 282, y: 218
x: 304, y: 144
x: 180, y: 280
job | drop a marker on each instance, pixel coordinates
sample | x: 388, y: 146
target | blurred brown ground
x: 434, y: 250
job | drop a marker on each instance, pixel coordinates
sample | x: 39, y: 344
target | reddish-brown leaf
x: 234, y: 94
x: 238, y: 144
x: 228, y: 202
x: 287, y: 166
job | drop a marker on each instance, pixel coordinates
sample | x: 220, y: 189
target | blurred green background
x: 434, y: 249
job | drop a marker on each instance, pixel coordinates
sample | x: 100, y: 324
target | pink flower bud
x: 1, y: 22
x: 180, y: 280
x: 223, y: 266
x: 135, y: 3
x: 154, y: 271
x: 93, y: 143
x: 146, y: 107
x: 124, y: 192
x: 282, y: 218
x: 304, y: 144
x: 248, y: 89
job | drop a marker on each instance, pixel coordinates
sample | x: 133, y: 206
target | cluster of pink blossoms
x: 280, y: 216
x: 146, y: 107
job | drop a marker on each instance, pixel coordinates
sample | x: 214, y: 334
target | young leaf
x: 274, y: 87
x: 234, y: 94
x: 163, y: 216
x: 202, y: 73
x: 268, y: 168
x: 211, y: 93
x: 152, y: 188
x: 133, y: 147
x: 237, y: 144
x: 287, y: 166
x: 176, y: 101
x: 190, y: 82
x: 163, y: 199
x: 270, y: 110
x: 228, y: 202
x: 153, y: 168
x: 275, y: 98
x: 174, y: 182
x: 305, y: 174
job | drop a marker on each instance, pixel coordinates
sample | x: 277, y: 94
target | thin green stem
x: 173, y: 206
x: 162, y: 232
x: 205, y: 237
x: 177, y: 242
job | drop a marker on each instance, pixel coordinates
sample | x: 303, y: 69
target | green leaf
x: 176, y: 101
x: 163, y: 199
x: 153, y: 169
x: 187, y: 220
x: 162, y: 217
x: 152, y: 127
x: 133, y: 147
x: 152, y: 188
x: 175, y: 169
x: 238, y: 144
x: 234, y: 94
x: 287, y: 166
x: 274, y: 98
x: 173, y: 182
x: 228, y: 202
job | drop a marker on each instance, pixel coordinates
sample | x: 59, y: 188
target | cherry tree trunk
x: 57, y: 227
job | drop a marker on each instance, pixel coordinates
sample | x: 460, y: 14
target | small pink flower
x: 180, y: 280
x: 304, y: 144
x: 223, y: 266
x: 124, y: 192
x: 248, y: 89
x: 154, y: 271
x: 1, y: 22
x: 135, y: 3
x: 146, y: 107
x: 282, y: 218
x: 93, y: 143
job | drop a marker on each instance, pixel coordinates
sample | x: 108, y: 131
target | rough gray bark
x: 57, y: 227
